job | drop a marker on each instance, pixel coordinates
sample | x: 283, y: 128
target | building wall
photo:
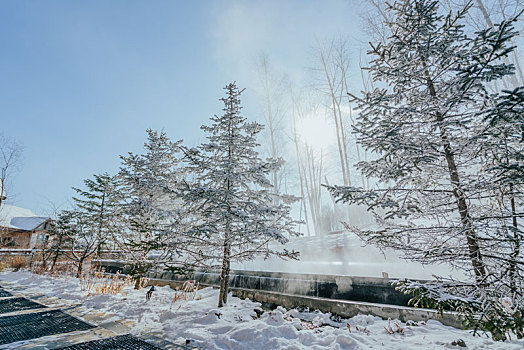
x: 39, y: 238
x: 14, y: 239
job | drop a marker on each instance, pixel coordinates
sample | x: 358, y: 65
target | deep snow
x: 236, y: 325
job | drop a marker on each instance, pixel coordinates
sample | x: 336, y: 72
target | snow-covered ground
x: 237, y: 326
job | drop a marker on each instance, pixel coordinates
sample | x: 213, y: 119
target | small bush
x: 17, y: 263
x: 484, y: 308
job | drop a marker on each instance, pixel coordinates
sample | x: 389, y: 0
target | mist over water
x: 345, y: 254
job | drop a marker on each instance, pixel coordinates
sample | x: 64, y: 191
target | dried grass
x: 142, y: 282
x: 396, y: 328
x: 93, y: 281
x: 96, y: 282
x: 63, y: 267
x: 15, y: 263
x: 187, y: 292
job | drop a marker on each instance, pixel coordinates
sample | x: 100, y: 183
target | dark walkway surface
x: 121, y: 342
x: 26, y: 324
x: 4, y: 293
x: 38, y: 324
x: 18, y: 304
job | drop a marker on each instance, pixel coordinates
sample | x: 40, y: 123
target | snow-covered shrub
x: 488, y: 308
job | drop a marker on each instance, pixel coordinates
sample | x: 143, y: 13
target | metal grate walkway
x: 122, y: 342
x: 4, y: 293
x: 18, y: 304
x: 35, y: 325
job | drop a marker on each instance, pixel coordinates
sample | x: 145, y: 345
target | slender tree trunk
x: 313, y: 188
x: 56, y: 252
x: 273, y: 142
x: 100, y: 225
x: 80, y: 267
x: 300, y: 167
x: 458, y: 192
x: 55, y: 258
x: 224, y: 274
x: 228, y: 272
x: 347, y: 182
x: 357, y: 147
x: 302, y: 194
x: 516, y: 243
x: 226, y: 258
x: 272, y: 120
x: 339, y: 111
x: 1, y: 191
x: 471, y: 236
x: 44, y: 258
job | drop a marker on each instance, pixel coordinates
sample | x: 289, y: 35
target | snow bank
x: 238, y: 326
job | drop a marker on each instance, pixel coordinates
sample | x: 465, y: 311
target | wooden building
x: 21, y: 228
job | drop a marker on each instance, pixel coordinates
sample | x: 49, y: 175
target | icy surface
x: 236, y: 326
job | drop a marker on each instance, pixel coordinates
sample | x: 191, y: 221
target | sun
x: 316, y: 131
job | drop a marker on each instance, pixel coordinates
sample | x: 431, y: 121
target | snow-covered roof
x: 27, y: 223
x: 20, y: 218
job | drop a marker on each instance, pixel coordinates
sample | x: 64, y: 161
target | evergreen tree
x: 90, y: 224
x: 80, y: 237
x: 151, y: 211
x: 236, y: 215
x: 428, y: 124
x: 97, y: 204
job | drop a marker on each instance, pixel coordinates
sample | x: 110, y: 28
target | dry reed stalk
x: 187, y: 292
x: 96, y: 282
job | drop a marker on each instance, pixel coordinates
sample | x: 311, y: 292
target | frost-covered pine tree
x: 236, y: 215
x: 431, y: 124
x: 89, y: 225
x: 97, y: 204
x: 150, y: 206
x: 502, y: 149
x: 80, y: 238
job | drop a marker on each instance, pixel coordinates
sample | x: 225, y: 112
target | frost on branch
x: 235, y: 211
x: 447, y: 158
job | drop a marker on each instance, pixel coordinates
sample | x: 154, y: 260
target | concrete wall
x: 341, y: 295
x: 366, y: 289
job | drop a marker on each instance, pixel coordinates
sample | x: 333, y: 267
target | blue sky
x: 80, y: 82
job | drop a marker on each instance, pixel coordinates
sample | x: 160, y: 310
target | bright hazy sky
x: 80, y: 81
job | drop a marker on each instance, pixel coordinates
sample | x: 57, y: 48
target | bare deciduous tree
x: 273, y: 89
x: 10, y: 161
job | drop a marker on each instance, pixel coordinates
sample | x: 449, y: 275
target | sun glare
x: 316, y: 131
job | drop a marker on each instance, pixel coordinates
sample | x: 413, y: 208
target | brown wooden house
x: 21, y: 228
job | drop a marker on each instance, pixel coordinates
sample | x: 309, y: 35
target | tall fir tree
x: 90, y: 224
x: 151, y: 210
x: 236, y: 215
x: 97, y: 204
x: 427, y: 125
x: 81, y: 239
x: 502, y: 148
